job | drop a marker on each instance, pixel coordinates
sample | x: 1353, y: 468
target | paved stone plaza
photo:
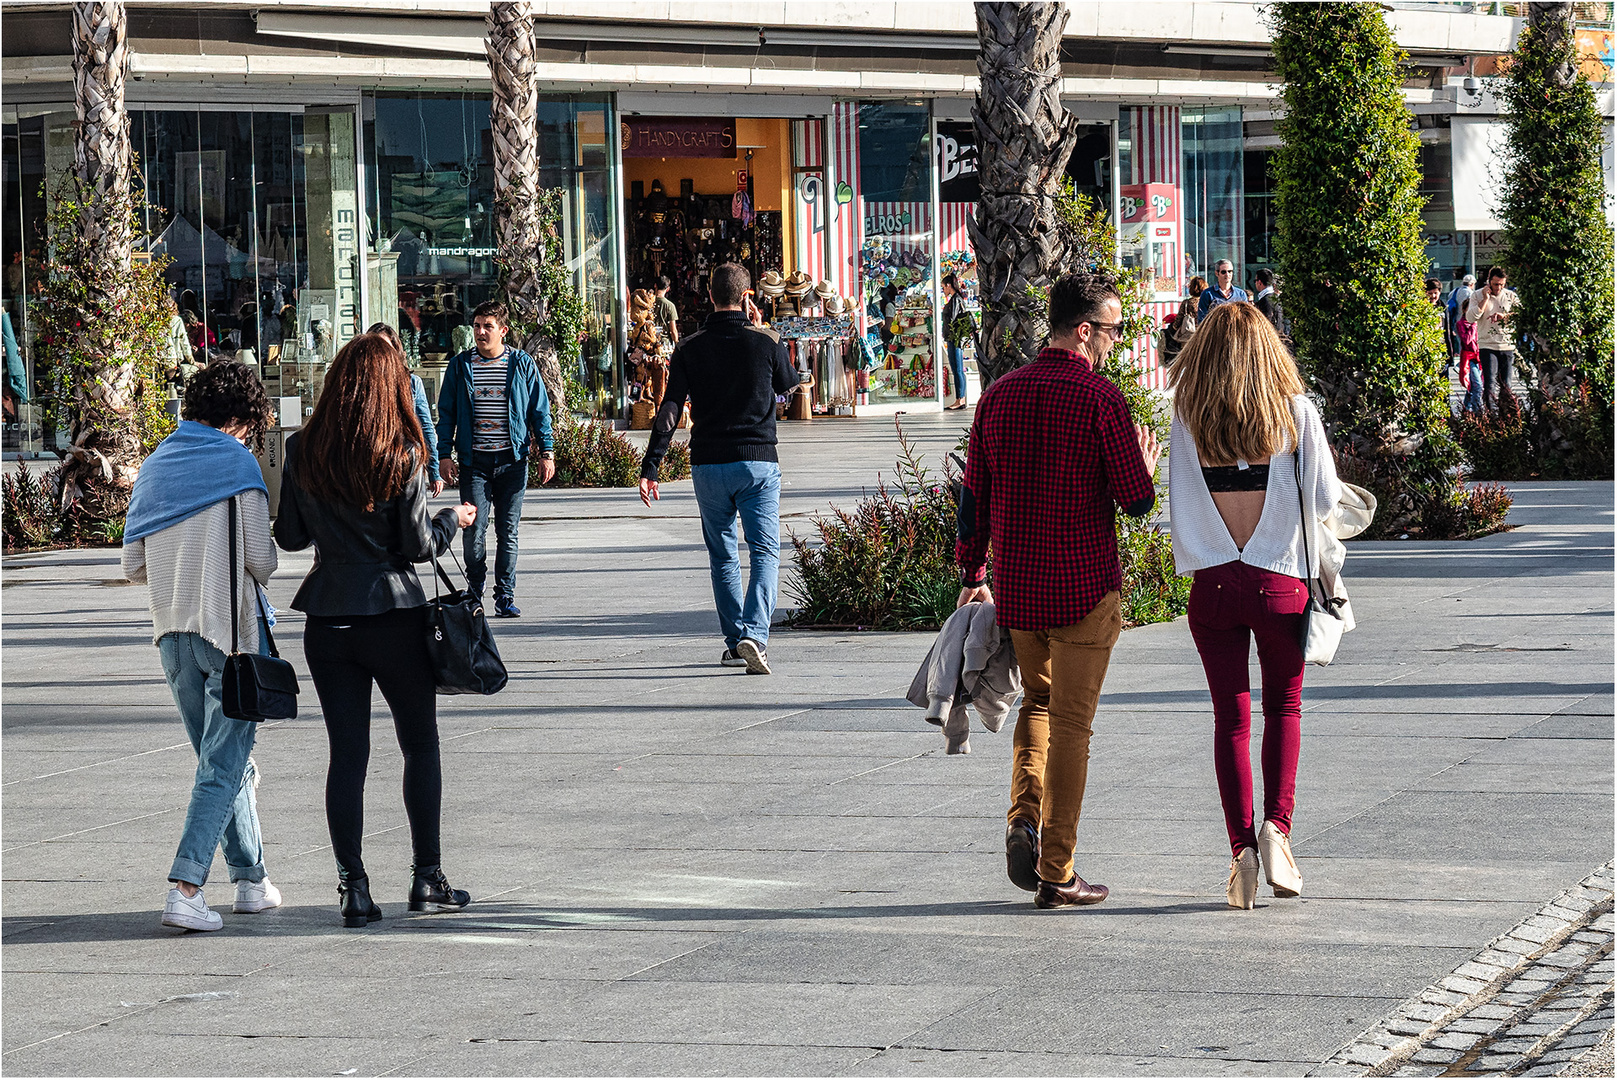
x: 677, y: 868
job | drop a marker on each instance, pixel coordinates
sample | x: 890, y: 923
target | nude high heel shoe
x: 1275, y: 848
x: 1243, y: 887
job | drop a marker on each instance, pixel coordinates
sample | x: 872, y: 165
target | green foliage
x: 565, y: 314
x: 31, y: 512
x: 887, y: 564
x: 1351, y: 251
x: 1153, y: 591
x: 1496, y: 445
x: 594, y: 454
x: 1552, y: 205
x: 1465, y: 513
x: 1575, y: 432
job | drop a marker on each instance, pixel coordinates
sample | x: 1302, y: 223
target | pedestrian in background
x: 1053, y: 456
x: 423, y: 411
x: 1456, y: 311
x: 1490, y: 309
x: 1222, y: 291
x: 492, y: 408
x: 731, y: 370
x: 16, y: 380
x: 1470, y: 365
x: 1184, y: 322
x: 953, y: 309
x: 177, y: 540
x: 1250, y: 476
x: 667, y: 314
x: 355, y: 487
x: 1268, y: 303
x: 177, y: 354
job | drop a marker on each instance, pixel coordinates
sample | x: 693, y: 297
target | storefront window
x: 1212, y: 189
x: 429, y: 174
x: 894, y: 197
x: 233, y: 199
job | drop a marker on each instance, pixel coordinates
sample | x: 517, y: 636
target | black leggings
x: 345, y: 653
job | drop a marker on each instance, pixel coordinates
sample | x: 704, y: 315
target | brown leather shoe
x: 1022, y: 854
x: 1075, y: 893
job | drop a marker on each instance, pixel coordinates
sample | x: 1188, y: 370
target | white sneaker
x: 190, y: 912
x: 755, y: 656
x: 255, y: 896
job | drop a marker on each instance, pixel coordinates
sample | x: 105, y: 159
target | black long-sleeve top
x: 731, y: 371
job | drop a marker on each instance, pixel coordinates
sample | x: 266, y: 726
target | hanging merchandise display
x: 897, y: 275
x: 648, y: 357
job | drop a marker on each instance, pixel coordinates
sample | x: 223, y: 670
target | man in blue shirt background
x: 1221, y: 291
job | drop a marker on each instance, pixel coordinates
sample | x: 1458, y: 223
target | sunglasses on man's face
x: 1221, y: 273
x: 1112, y: 329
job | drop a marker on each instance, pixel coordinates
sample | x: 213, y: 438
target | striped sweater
x: 187, y: 566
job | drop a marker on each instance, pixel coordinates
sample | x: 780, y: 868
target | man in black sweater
x: 731, y: 370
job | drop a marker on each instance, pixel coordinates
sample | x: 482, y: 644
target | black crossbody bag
x: 255, y: 687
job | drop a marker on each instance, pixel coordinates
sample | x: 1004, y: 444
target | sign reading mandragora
x: 681, y: 137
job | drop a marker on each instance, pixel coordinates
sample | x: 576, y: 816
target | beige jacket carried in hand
x: 971, y: 662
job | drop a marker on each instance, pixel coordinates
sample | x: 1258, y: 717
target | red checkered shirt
x: 1052, y: 450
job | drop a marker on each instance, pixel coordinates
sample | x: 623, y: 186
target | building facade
x: 314, y: 167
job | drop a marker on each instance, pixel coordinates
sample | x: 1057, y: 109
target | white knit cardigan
x: 188, y: 568
x: 1200, y: 537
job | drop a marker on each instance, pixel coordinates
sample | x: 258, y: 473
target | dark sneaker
x: 754, y: 656
x: 731, y: 658
x: 506, y: 608
x: 431, y: 892
x: 1022, y: 855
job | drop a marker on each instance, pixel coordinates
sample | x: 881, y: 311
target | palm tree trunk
x: 104, y: 456
x: 519, y: 234
x: 1024, y: 138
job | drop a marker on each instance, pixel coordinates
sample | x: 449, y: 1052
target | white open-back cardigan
x: 1200, y: 537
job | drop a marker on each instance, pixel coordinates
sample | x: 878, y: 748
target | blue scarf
x: 189, y: 471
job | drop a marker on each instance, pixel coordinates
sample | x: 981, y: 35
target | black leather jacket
x: 362, y: 562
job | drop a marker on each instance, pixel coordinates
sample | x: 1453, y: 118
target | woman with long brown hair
x: 1250, y: 477
x: 355, y: 486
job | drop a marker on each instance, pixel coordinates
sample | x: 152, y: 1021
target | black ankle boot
x: 432, y: 892
x: 354, y: 897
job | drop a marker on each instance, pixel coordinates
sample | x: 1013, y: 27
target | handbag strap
x: 235, y: 592
x: 1302, y: 513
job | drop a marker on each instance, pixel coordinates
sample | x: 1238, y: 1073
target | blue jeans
x: 493, y: 480
x: 1496, y: 365
x: 957, y: 365
x: 751, y: 489
x: 1473, y: 393
x: 224, y: 810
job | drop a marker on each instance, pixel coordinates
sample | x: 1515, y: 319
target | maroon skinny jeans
x: 1229, y: 606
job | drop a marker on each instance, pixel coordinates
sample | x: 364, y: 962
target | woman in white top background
x: 1249, y: 468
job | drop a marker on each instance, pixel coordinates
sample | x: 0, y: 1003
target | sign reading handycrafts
x: 678, y: 137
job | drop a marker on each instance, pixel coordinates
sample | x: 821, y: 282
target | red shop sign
x: 660, y: 137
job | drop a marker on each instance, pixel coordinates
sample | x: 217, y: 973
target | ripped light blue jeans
x: 224, y: 809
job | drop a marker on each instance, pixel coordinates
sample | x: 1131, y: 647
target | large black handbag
x: 460, y: 643
x: 255, y: 687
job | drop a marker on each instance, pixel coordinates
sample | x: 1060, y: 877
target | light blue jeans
x: 752, y: 490
x: 224, y: 810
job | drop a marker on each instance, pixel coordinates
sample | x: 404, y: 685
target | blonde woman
x: 1249, y: 471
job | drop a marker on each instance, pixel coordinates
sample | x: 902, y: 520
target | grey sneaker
x: 757, y: 660
x: 190, y: 912
x: 731, y: 658
x: 255, y: 896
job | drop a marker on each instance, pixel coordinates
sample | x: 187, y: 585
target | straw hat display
x: 772, y: 284
x: 823, y: 291
x: 833, y: 304
x: 798, y: 283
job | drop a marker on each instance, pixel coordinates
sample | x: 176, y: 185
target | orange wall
x: 771, y: 167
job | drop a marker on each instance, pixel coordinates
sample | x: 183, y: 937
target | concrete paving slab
x: 680, y: 869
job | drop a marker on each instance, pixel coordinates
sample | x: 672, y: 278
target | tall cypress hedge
x: 1552, y: 205
x: 1351, y: 256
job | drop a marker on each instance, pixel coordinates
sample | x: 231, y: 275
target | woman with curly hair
x: 177, y: 540
x: 355, y: 488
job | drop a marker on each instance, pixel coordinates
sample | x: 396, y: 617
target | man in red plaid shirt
x: 1053, y: 454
